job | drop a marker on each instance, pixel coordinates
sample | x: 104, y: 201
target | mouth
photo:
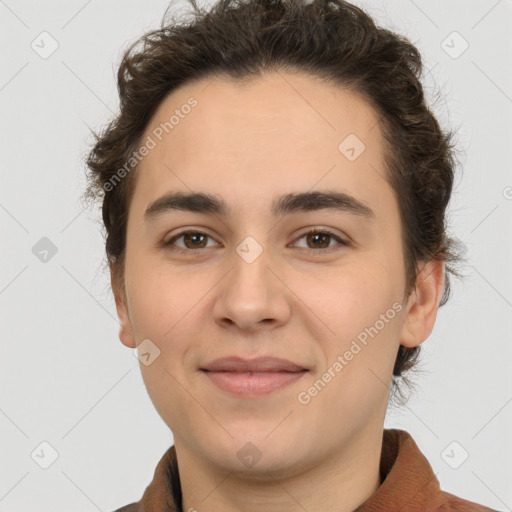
x: 244, y: 377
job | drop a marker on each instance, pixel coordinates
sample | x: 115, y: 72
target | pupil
x: 195, y: 238
x: 317, y: 236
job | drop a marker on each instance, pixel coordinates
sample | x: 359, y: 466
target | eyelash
x: 314, y: 231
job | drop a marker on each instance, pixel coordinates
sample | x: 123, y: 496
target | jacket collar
x: 408, y: 483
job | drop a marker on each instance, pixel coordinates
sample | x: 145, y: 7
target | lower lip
x: 252, y: 384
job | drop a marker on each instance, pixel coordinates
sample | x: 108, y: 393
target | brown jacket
x: 408, y: 483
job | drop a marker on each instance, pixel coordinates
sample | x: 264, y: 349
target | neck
x: 341, y: 482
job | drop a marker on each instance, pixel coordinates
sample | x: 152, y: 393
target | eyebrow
x: 289, y: 203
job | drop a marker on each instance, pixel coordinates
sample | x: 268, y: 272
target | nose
x: 253, y: 295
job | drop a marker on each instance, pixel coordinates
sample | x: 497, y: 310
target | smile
x: 253, y: 383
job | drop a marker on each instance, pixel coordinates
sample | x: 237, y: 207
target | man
x: 274, y: 191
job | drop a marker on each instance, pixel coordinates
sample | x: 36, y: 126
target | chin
x: 254, y: 454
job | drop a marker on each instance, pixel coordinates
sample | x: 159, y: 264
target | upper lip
x: 260, y: 364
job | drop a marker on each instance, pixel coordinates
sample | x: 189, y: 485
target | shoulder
x: 450, y: 502
x: 132, y: 507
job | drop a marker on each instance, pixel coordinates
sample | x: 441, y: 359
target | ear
x: 423, y: 304
x: 125, y: 330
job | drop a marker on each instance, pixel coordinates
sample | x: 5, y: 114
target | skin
x: 250, y: 143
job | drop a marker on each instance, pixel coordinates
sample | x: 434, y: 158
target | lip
x: 252, y: 377
x: 259, y: 364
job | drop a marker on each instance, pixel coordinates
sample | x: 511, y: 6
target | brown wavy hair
x: 330, y: 39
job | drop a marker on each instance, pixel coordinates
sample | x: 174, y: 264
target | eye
x: 321, y: 238
x: 192, y: 240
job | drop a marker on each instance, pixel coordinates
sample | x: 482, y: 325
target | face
x: 303, y: 263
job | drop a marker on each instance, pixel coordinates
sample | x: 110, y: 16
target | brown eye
x: 320, y: 239
x: 191, y: 240
x: 196, y: 240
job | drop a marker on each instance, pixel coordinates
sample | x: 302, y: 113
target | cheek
x: 352, y: 298
x: 160, y: 300
x: 364, y: 314
x: 162, y: 310
x: 360, y: 309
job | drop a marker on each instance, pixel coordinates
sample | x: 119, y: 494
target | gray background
x: 66, y: 379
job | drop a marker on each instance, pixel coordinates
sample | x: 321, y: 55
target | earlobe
x: 423, y: 304
x: 125, y: 327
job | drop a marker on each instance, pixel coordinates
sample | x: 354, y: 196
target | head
x: 268, y: 113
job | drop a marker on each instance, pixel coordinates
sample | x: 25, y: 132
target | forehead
x: 282, y: 132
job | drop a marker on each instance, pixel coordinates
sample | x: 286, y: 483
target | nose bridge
x: 250, y: 277
x: 251, y: 292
